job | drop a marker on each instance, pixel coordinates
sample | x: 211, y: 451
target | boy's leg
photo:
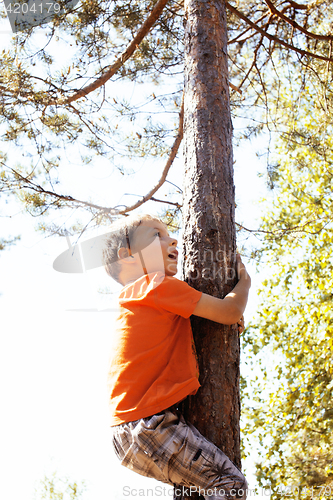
x: 165, y: 447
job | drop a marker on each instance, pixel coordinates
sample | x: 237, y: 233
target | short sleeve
x: 176, y: 297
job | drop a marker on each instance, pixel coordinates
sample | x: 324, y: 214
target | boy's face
x: 158, y: 249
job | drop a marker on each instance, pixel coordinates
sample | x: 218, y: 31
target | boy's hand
x: 227, y: 311
x: 241, y: 326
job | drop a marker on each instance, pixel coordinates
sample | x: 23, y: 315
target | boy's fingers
x: 241, y: 326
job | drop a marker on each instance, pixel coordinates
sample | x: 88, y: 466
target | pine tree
x: 209, y: 220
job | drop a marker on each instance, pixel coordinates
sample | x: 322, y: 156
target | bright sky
x: 53, y: 361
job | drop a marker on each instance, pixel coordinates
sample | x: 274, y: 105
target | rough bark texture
x: 208, y: 220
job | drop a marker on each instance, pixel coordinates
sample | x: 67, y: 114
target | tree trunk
x: 208, y: 220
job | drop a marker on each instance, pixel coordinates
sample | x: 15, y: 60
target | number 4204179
x: 33, y: 8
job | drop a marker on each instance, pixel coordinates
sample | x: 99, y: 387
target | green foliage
x: 290, y: 408
x: 55, y: 488
x: 6, y: 243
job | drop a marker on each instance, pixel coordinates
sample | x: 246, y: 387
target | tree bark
x: 209, y: 235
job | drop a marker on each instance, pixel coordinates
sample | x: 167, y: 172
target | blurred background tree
x: 55, y: 488
x: 290, y: 413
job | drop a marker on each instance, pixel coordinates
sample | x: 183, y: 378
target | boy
x: 153, y: 365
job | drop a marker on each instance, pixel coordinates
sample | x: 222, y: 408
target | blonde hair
x: 119, y: 236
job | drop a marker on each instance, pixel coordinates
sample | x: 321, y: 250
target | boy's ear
x: 124, y: 254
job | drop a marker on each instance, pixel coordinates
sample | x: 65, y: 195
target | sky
x: 54, y: 351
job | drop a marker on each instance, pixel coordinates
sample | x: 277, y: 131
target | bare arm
x: 229, y: 310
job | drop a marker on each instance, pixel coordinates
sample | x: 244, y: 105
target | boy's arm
x: 229, y: 310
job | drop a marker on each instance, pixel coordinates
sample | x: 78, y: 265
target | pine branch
x: 29, y: 184
x: 279, y: 232
x: 145, y: 28
x: 254, y: 62
x: 294, y: 24
x: 165, y: 201
x: 297, y: 6
x: 237, y: 38
x: 275, y: 38
x: 172, y: 156
x: 39, y: 189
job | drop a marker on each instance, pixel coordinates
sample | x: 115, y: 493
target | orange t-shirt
x: 153, y: 363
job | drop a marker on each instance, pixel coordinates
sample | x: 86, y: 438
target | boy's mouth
x: 172, y: 256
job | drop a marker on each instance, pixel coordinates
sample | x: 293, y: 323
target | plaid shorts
x: 168, y: 449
